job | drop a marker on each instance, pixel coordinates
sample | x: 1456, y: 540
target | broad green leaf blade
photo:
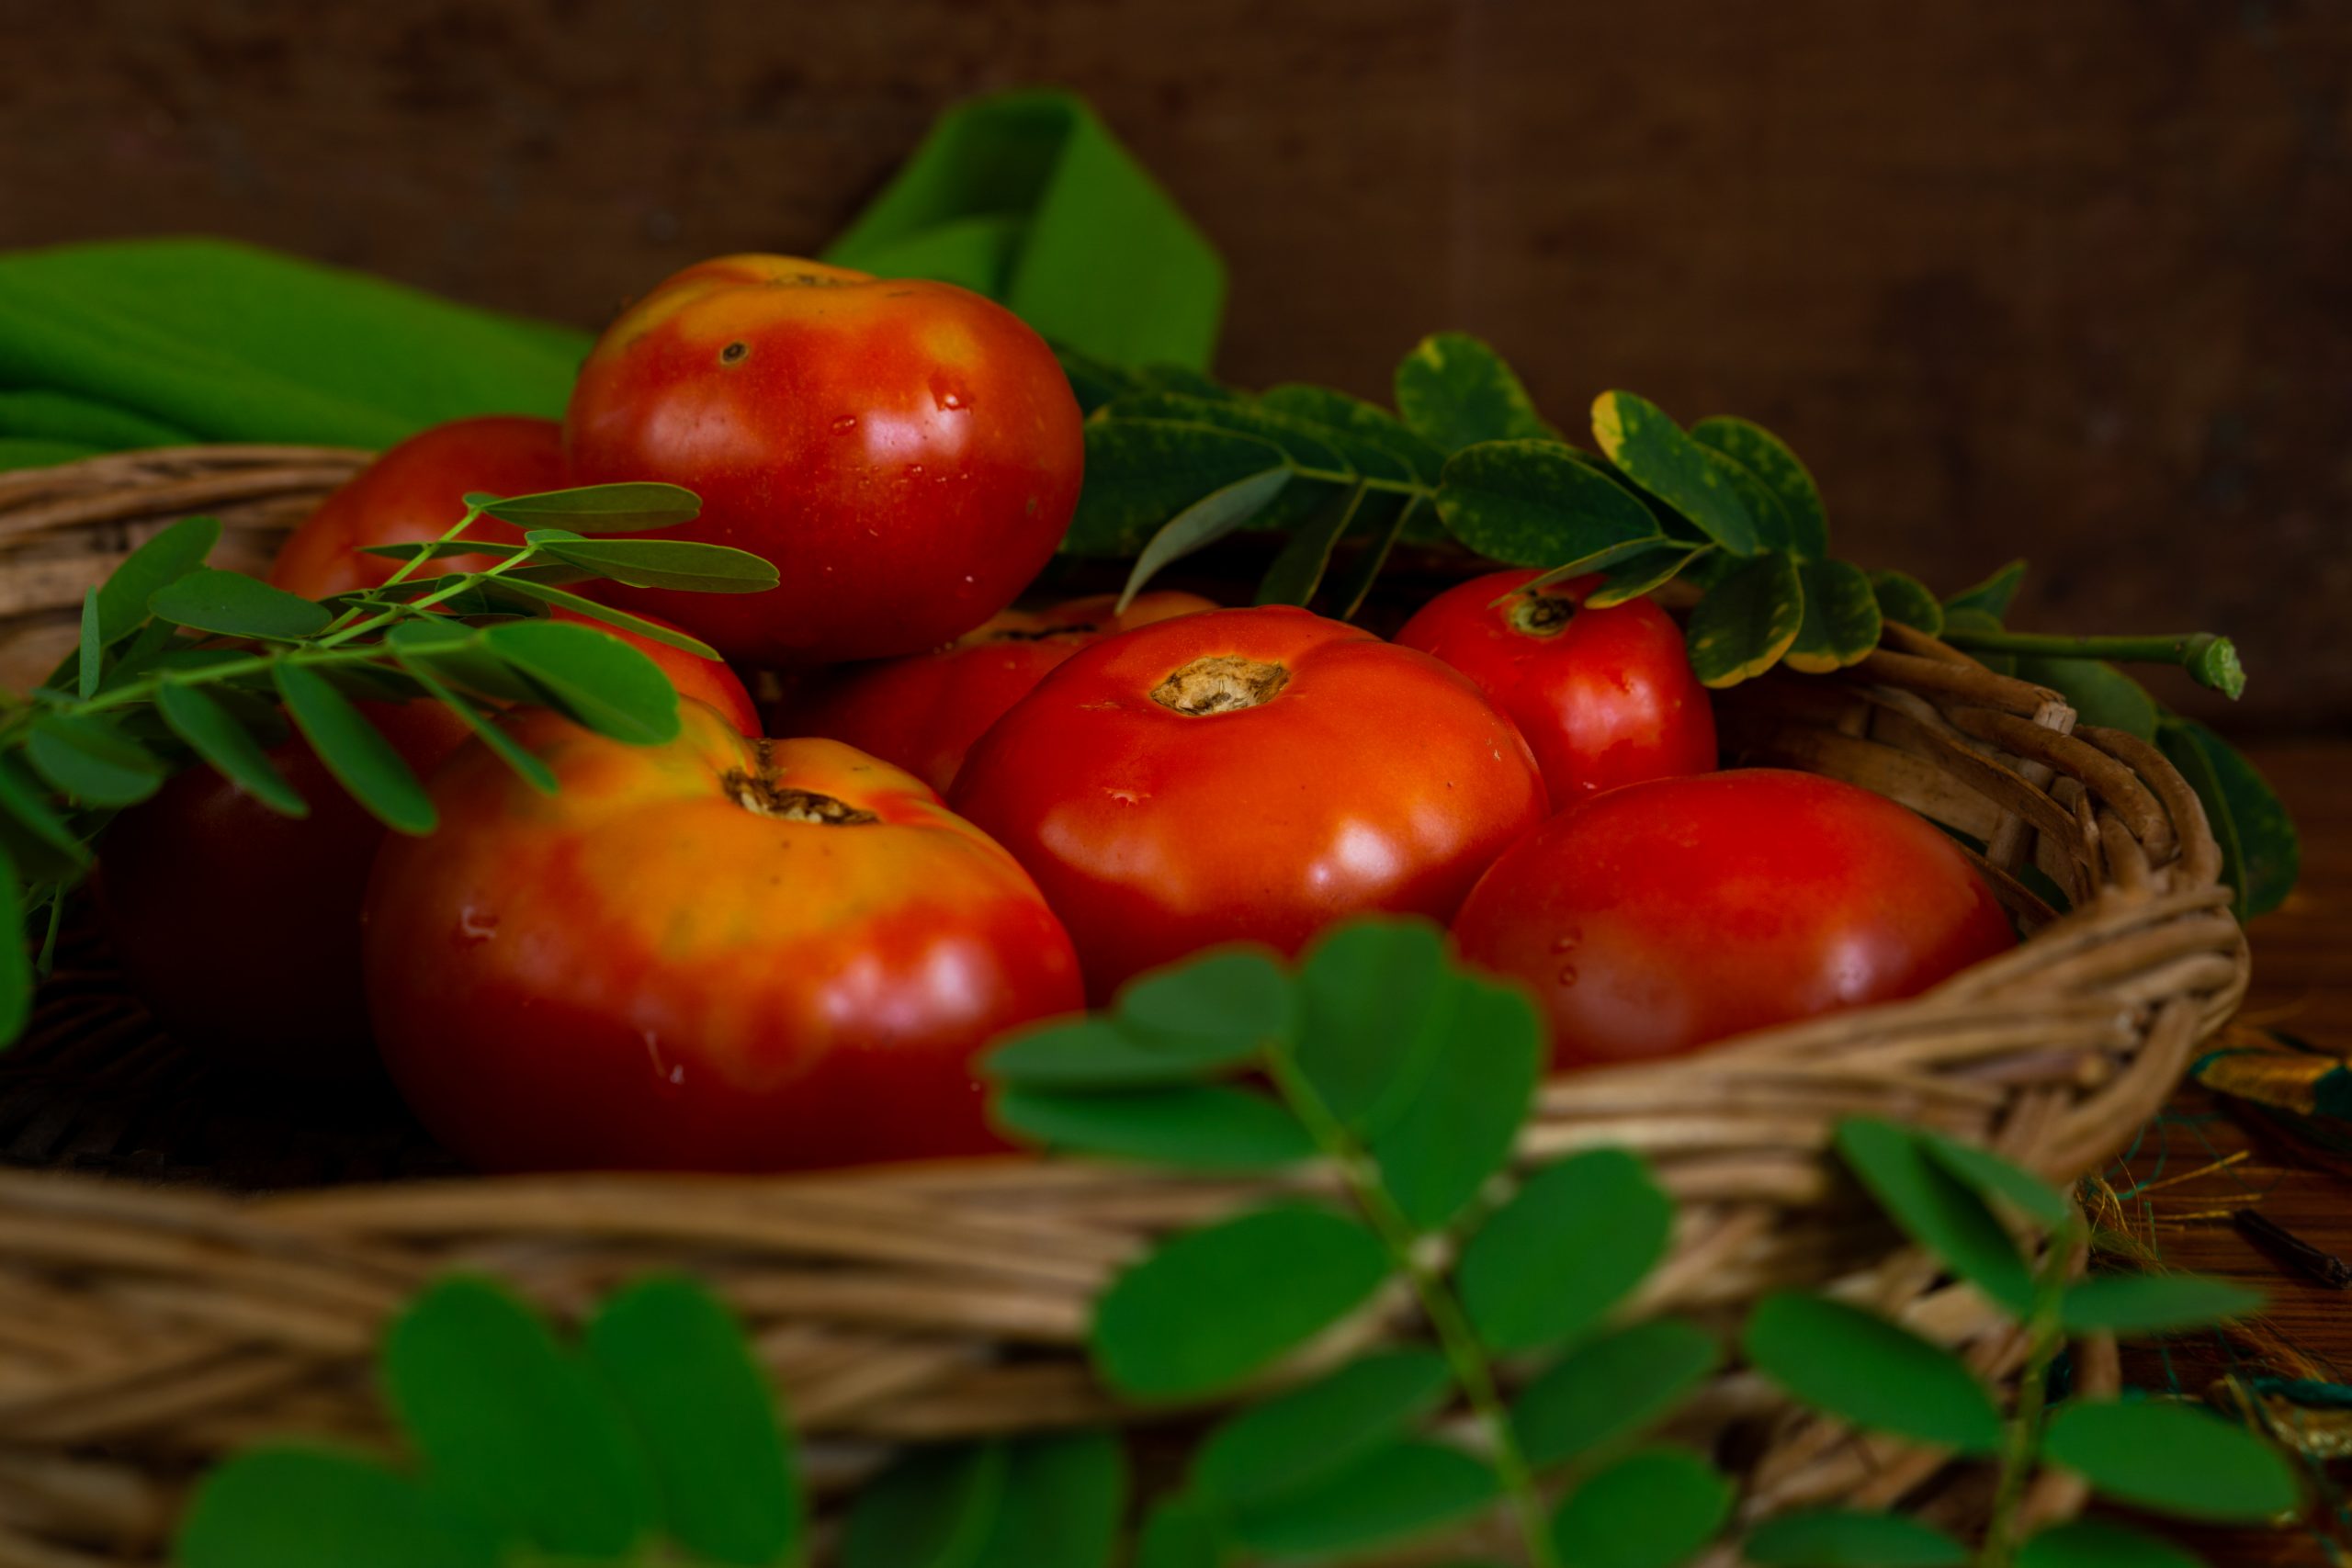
x: 1300, y: 1436
x: 511, y: 1428
x: 1860, y: 1367
x: 1989, y: 1176
x: 234, y: 604
x: 1455, y: 1131
x: 1392, y: 1494
x: 1211, y: 1306
x: 2262, y: 854
x: 2100, y: 694
x: 1366, y: 424
x: 2096, y: 1543
x: 1092, y: 381
x: 1105, y: 1054
x: 23, y: 801
x: 1935, y: 1209
x: 2173, y: 1459
x: 591, y: 679
x: 1203, y: 522
x: 1991, y: 597
x: 1652, y: 450
x: 1065, y: 1495
x: 1653, y: 1509
x: 1193, y: 1126
x: 510, y: 752
x: 1747, y: 621
x: 1768, y: 457
x: 291, y: 1507
x: 598, y: 509
x: 214, y: 735
x: 1377, y: 1003
x: 354, y: 750
x: 1646, y: 572
x: 549, y: 594
x: 1180, y: 1533
x: 15, y: 960
x: 90, y: 652
x: 1302, y: 443
x: 453, y: 654
x: 2154, y: 1304
x: 88, y: 758
x: 1141, y: 472
x: 669, y: 563
x: 678, y: 1364
x: 161, y: 561
x: 1773, y: 529
x: 1840, y: 1537
x: 1221, y: 1006
x: 1570, y: 1244
x: 1297, y: 572
x: 1535, y: 503
x: 1904, y: 598
x: 1454, y: 391
x: 936, y: 1508
x: 1841, y: 623
x: 1611, y: 1388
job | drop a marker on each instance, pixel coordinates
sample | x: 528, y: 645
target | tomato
x: 1663, y: 915
x: 714, y: 952
x: 923, y: 713
x: 1245, y: 775
x: 1604, y: 697
x: 906, y: 453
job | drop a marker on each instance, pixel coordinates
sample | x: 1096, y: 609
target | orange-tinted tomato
x: 711, y: 954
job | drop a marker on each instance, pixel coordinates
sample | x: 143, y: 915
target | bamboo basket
x: 147, y: 1327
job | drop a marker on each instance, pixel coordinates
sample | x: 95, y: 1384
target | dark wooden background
x: 2071, y: 281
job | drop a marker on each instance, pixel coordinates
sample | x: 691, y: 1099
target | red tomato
x: 923, y: 713
x: 1604, y: 697
x: 1245, y: 775
x: 906, y: 453
x: 1663, y: 915
x: 715, y: 953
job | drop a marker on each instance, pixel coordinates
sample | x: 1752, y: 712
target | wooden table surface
x: 2205, y: 1164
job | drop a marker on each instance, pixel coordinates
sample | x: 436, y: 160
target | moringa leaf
x: 233, y: 604
x: 936, y: 1507
x: 1392, y: 1493
x: 1569, y: 1246
x: 591, y: 678
x: 1203, y: 522
x: 87, y: 758
x: 2154, y: 1303
x: 1936, y: 1209
x: 214, y: 735
x: 283, y: 1507
x: 1842, y: 1538
x: 1610, y: 1387
x: 354, y: 750
x: 679, y: 564
x: 2173, y: 1459
x: 1366, y: 425
x: 1300, y: 1436
x: 1862, y: 1368
x: 1188, y: 1126
x: 626, y: 507
x: 1141, y: 472
x: 1065, y: 1493
x: 1454, y: 1131
x: 1652, y: 1509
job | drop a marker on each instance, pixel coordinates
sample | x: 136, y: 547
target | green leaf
x: 1747, y: 621
x: 17, y: 980
x: 1211, y: 1306
x: 1992, y: 596
x: 1935, y: 1209
x: 1906, y: 599
x: 1652, y: 450
x: 23, y: 799
x: 2100, y: 694
x: 1646, y: 572
x: 685, y: 1380
x: 1392, y: 1493
x: 2173, y: 1459
x: 1768, y: 457
x: 1180, y: 1533
x: 597, y: 509
x: 510, y: 752
x: 90, y: 653
x: 1065, y: 1495
x: 1203, y: 522
x: 2154, y: 1303
x: 1141, y: 472
x: 1989, y: 1176
x: 440, y: 549
x: 354, y: 750
x: 214, y: 735
x: 171, y: 555
x: 1455, y: 1131
x: 1355, y: 585
x: 1571, y: 1245
x: 1197, y: 1127
x: 936, y: 1508
x: 1773, y: 529
x: 1454, y: 391
x: 592, y: 679
x: 669, y: 563
x: 1298, y: 1437
x: 1841, y: 621
x: 1611, y: 1388
x: 1653, y: 1509
x: 579, y: 604
x: 292, y: 1507
x: 1377, y: 1004
x: 452, y: 652
x: 1879, y: 1375
x: 1839, y: 1538
x: 1298, y: 571
x: 1221, y: 1006
x: 2262, y: 854
x: 1535, y: 503
x: 234, y: 604
x: 2096, y: 1543
x: 1092, y: 381
x: 1364, y: 424
x: 1301, y: 443
x: 86, y: 758
x: 1102, y: 1052
x: 511, y: 1427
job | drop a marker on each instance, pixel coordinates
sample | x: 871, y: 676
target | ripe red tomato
x: 715, y: 954
x: 923, y: 713
x: 1245, y: 775
x: 906, y: 453
x: 1664, y: 916
x: 1604, y: 697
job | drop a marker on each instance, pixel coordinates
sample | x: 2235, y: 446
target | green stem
x: 2213, y: 661
x: 2021, y: 1445
x: 1456, y: 1337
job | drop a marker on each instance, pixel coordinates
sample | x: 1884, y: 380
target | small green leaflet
x: 1301, y: 1436
x: 1652, y: 1509
x: 1837, y: 1538
x: 27, y: 806
x: 233, y: 604
x: 90, y: 651
x: 2173, y: 1459
x: 1065, y: 1495
x: 1860, y: 1367
x: 1203, y: 522
x: 1569, y: 1246
x: 1611, y: 1387
x: 1454, y: 391
x: 1533, y: 503
x: 1991, y: 597
x: 1141, y: 472
x: 510, y: 751
x: 212, y: 734
x: 354, y: 750
x: 934, y: 1508
x: 2096, y: 1543
x: 297, y: 1507
x: 161, y: 561
x: 1991, y: 1177
x: 1223, y: 1004
x: 1376, y: 1007
x: 1303, y: 444
x: 1906, y: 599
x: 668, y: 563
x: 1747, y: 621
x: 1193, y: 1126
x: 590, y: 677
x: 1768, y: 457
x: 1631, y: 577
x: 580, y: 604
x: 597, y: 509
x: 1651, y: 450
x: 1935, y: 1209
x: 2154, y: 1303
x: 1298, y: 572
x: 1180, y: 1533
x: 1454, y: 1133
x: 1392, y: 1493
x: 88, y: 758
x: 2262, y: 853
x: 15, y: 962
x: 1362, y: 423
x: 1841, y: 621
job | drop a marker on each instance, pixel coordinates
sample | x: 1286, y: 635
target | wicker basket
x: 144, y: 1330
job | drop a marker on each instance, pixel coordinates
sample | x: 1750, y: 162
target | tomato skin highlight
x: 764, y: 994
x: 923, y: 712
x: 1604, y: 697
x: 1662, y: 917
x: 906, y: 453
x: 1372, y: 777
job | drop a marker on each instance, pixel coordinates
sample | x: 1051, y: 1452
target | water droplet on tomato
x: 1567, y: 975
x: 476, y: 926
x: 847, y: 422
